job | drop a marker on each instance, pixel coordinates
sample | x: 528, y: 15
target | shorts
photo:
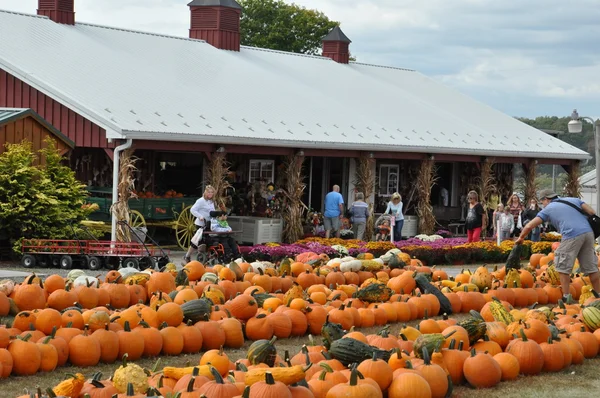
x: 580, y: 247
x: 332, y: 223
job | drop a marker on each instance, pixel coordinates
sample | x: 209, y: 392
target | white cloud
x: 526, y: 58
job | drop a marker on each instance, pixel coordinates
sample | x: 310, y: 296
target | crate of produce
x: 158, y: 209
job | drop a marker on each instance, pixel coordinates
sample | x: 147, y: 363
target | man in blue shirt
x: 577, y: 237
x: 334, y: 209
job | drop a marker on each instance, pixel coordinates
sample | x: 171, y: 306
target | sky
x: 526, y: 58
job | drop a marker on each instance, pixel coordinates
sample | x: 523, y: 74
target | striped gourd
x: 591, y: 317
x: 500, y: 313
x: 513, y: 279
x: 552, y: 275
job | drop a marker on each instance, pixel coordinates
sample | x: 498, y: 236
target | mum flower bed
x: 432, y: 252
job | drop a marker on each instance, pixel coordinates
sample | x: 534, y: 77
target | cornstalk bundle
x: 294, y: 208
x: 425, y: 180
x: 125, y: 189
x: 487, y: 186
x: 365, y: 183
x: 217, y: 173
x: 530, y: 182
x: 572, y: 188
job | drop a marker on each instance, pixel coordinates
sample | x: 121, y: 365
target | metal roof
x: 157, y: 87
x: 336, y: 34
x: 9, y: 114
x: 216, y: 3
x: 588, y: 180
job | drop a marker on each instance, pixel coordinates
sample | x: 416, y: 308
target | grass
x: 575, y: 382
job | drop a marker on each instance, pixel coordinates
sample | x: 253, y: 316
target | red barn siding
x: 17, y: 94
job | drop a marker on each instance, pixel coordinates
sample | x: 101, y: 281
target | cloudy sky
x: 526, y: 58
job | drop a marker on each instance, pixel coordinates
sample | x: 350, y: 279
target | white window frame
x: 385, y: 191
x: 265, y: 164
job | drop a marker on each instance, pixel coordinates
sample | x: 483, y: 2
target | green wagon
x: 172, y: 213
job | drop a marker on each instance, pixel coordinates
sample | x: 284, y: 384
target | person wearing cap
x: 577, y: 237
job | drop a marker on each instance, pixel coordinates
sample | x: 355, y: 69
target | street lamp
x: 576, y: 126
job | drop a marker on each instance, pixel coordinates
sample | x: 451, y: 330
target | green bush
x: 43, y: 201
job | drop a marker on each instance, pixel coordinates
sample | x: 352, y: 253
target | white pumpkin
x: 387, y: 256
x: 126, y: 271
x: 7, y: 286
x: 347, y: 258
x: 334, y: 262
x: 261, y: 265
x: 351, y: 266
x: 74, y: 274
x: 85, y: 280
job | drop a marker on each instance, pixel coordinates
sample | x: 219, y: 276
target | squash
x: 513, y: 279
x: 262, y: 351
x: 482, y: 278
x: 70, y: 387
x: 209, y: 277
x: 349, y: 350
x: 374, y: 293
x: 427, y: 288
x: 84, y: 280
x: 431, y: 342
x: 126, y: 271
x: 500, y: 313
x: 286, y: 375
x: 74, y: 274
x: 389, y: 254
x: 196, y: 310
x: 7, y: 286
x: 178, y: 373
x: 130, y: 373
x: 137, y: 278
x: 293, y: 292
x: 331, y: 332
x: 371, y: 265
x: 475, y: 326
x: 591, y: 317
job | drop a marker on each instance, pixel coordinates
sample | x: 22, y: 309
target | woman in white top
x: 394, y: 208
x: 201, y: 210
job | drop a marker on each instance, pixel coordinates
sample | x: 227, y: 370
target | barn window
x: 262, y: 169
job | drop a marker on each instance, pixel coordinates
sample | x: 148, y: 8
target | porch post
x: 294, y: 189
x: 365, y: 183
x: 572, y: 188
x: 530, y: 169
x: 425, y: 180
x: 487, y: 187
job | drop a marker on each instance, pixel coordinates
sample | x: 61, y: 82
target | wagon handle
x: 123, y: 222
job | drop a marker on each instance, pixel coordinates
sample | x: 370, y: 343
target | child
x: 218, y: 223
x: 507, y: 224
x: 383, y: 232
x: 496, y: 216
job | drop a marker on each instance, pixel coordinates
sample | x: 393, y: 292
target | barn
x: 181, y: 101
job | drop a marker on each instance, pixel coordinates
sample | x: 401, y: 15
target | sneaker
x: 567, y: 299
x: 186, y: 260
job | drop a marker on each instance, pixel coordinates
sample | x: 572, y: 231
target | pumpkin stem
x: 326, y: 367
x: 126, y: 326
x: 240, y: 366
x: 269, y: 378
x: 473, y: 352
x: 408, y: 365
x: 130, y: 390
x: 217, y: 376
x: 125, y: 356
x: 449, y: 334
x: 426, y: 357
x: 97, y: 383
x: 353, y: 377
x: 452, y: 344
x: 190, y: 386
x: 403, y: 337
x: 523, y: 335
x: 322, y: 375
x: 460, y: 345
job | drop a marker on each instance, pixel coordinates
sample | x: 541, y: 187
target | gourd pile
x: 515, y: 324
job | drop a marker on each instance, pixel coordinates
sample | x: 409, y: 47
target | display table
x: 256, y: 230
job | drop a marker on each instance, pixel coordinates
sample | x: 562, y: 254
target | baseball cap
x: 547, y: 194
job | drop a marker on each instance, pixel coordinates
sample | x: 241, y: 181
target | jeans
x: 504, y: 235
x: 534, y: 236
x: 359, y: 230
x: 398, y: 230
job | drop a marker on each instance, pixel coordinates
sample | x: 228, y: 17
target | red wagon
x: 91, y: 254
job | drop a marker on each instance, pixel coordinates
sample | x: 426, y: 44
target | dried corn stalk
x: 218, y: 170
x: 125, y: 189
x: 530, y: 182
x: 572, y: 188
x: 486, y: 187
x: 293, y: 191
x: 425, y: 180
x: 365, y: 183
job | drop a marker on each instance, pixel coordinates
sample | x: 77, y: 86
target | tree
x: 276, y: 25
x: 43, y: 201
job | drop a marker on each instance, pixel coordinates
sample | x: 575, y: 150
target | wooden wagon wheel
x: 185, y: 228
x: 136, y: 219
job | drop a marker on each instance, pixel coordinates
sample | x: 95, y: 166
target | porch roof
x: 157, y: 87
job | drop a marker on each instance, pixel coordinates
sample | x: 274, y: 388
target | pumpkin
x: 435, y: 375
x: 409, y: 385
x: 27, y: 357
x: 84, y: 350
x: 528, y: 353
x: 49, y: 359
x: 218, y: 359
x: 30, y: 295
x: 217, y: 387
x: 481, y: 370
x: 509, y: 365
x: 354, y: 389
x: 378, y: 370
x: 269, y: 388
